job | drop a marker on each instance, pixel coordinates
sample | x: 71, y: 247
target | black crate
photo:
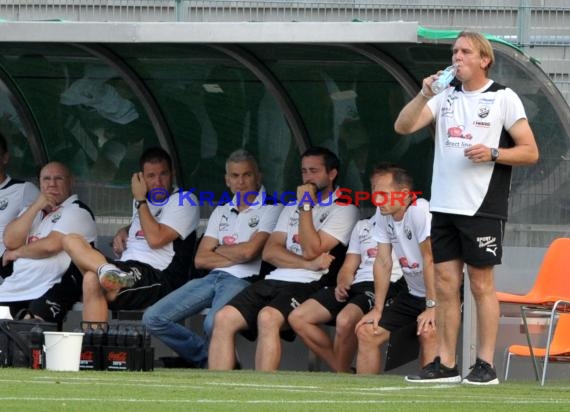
x: 17, y: 348
x: 116, y: 346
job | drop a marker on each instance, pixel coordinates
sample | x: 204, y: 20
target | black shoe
x: 482, y: 373
x: 435, y: 372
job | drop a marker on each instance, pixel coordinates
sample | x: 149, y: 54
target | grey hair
x: 241, y: 155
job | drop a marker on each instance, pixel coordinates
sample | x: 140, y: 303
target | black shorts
x: 360, y: 294
x: 151, y: 286
x: 475, y: 240
x: 53, y: 305
x: 281, y: 295
x: 404, y: 309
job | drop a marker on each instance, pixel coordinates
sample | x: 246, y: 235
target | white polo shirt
x: 463, y: 119
x: 15, y: 196
x: 335, y: 219
x: 34, y: 277
x: 178, y: 213
x: 363, y: 243
x: 405, y: 237
x: 229, y: 227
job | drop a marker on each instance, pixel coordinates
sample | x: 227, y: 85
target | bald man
x: 45, y: 284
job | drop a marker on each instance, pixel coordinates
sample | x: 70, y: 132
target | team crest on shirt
x: 3, y: 204
x: 408, y: 233
x: 253, y: 221
x: 483, y: 111
x: 55, y: 217
x: 224, y: 224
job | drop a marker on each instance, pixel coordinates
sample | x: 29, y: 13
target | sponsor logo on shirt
x: 229, y: 240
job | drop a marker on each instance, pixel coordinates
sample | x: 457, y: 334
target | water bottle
x: 444, y: 79
x: 112, y: 335
x: 98, y: 337
x: 36, y: 346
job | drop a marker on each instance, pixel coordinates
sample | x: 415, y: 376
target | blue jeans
x: 212, y: 291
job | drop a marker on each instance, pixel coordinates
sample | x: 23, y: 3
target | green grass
x: 196, y: 390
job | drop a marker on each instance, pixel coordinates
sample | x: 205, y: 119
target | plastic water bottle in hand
x: 444, y: 79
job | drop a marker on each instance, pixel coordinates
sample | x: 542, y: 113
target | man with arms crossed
x: 44, y: 284
x: 230, y: 249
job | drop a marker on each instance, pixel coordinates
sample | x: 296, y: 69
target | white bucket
x: 63, y: 350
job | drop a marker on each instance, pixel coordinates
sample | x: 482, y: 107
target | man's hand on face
x: 138, y: 186
x: 306, y: 191
x: 46, y: 202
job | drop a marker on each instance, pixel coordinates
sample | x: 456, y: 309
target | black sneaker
x: 482, y: 373
x: 435, y: 372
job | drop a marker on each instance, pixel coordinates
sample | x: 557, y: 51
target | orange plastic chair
x: 553, y: 280
x: 559, y: 347
x: 550, y: 293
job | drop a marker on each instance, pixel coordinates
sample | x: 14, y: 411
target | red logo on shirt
x: 372, y: 252
x: 405, y: 264
x: 457, y: 131
x: 228, y: 240
x: 32, y: 239
x: 296, y: 238
x: 140, y: 234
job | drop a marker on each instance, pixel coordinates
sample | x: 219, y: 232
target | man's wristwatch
x: 138, y: 203
x: 306, y: 207
x: 494, y: 154
x: 430, y: 303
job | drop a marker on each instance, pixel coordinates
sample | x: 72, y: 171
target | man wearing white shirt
x: 403, y: 223
x: 230, y: 249
x: 481, y: 132
x: 15, y: 196
x: 299, y: 248
x: 155, y: 250
x: 44, y: 284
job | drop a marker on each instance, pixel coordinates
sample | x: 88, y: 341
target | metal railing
x: 540, y: 27
x: 525, y: 22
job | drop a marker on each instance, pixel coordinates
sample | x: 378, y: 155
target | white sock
x: 106, y: 268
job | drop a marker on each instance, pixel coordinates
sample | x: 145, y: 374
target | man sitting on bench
x: 155, y: 250
x: 301, y: 249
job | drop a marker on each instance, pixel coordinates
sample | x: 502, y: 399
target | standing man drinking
x: 470, y: 189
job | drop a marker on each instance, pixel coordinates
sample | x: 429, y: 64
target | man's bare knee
x: 228, y: 321
x: 269, y: 318
x: 369, y: 336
